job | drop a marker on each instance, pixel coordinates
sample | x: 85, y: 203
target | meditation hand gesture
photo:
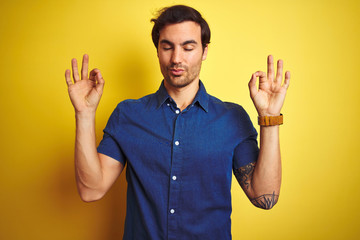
x: 85, y: 93
x: 269, y: 97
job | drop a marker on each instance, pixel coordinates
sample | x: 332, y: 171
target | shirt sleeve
x: 247, y: 150
x: 109, y: 145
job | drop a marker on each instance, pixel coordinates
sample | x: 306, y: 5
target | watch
x: 270, y: 120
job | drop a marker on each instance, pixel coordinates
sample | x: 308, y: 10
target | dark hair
x: 178, y: 14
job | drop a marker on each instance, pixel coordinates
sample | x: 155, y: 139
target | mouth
x: 176, y: 71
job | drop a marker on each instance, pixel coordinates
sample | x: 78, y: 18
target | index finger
x: 85, y: 67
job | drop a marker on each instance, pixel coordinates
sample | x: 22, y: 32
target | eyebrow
x: 189, y: 42
x: 164, y: 41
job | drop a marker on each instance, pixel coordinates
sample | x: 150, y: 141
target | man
x: 180, y: 144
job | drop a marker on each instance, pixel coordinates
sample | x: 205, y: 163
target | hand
x: 84, y: 94
x: 270, y: 96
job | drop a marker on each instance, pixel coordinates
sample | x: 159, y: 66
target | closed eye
x: 166, y: 45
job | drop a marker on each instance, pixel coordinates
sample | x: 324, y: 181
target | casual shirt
x: 179, y: 163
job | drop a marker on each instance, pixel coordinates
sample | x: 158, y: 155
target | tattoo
x: 244, y: 175
x: 266, y: 201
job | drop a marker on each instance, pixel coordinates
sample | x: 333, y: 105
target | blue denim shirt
x: 179, y: 163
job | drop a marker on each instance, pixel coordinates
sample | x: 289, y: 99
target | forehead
x: 181, y: 32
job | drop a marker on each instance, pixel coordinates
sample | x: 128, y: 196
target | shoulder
x: 131, y: 109
x: 218, y: 105
x: 134, y: 105
x: 233, y: 118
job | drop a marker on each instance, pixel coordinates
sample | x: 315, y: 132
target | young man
x: 180, y: 144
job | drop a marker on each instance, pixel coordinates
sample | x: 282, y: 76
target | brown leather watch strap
x: 270, y: 120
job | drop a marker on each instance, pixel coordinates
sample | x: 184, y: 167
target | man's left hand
x: 269, y: 97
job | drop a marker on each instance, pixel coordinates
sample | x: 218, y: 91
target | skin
x: 180, y: 56
x: 95, y: 173
x: 261, y: 181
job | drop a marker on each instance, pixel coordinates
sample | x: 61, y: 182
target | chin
x: 177, y: 82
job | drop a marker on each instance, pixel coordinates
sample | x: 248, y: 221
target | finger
x: 262, y: 76
x: 100, y: 82
x: 68, y: 77
x: 252, y: 85
x: 93, y: 74
x: 279, y: 72
x: 287, y: 80
x: 270, y: 67
x: 75, y: 70
x: 84, y: 68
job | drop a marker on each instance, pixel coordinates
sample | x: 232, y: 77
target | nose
x: 176, y: 56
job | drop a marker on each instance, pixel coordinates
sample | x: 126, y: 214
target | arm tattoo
x: 244, y: 175
x: 266, y: 201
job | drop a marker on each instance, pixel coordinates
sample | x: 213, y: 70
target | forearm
x: 266, y: 176
x: 261, y: 180
x: 267, y: 173
x: 87, y: 164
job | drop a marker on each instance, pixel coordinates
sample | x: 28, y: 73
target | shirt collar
x: 201, y: 98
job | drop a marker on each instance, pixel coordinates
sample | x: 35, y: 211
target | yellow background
x: 318, y: 41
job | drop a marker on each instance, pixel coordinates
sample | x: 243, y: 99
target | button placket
x: 176, y: 162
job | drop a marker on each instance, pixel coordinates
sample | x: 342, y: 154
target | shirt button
x: 174, y: 178
x: 177, y: 111
x: 172, y: 211
x: 177, y: 143
x: 168, y: 104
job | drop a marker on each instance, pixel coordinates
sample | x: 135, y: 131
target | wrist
x: 85, y: 115
x: 270, y: 120
x: 268, y: 114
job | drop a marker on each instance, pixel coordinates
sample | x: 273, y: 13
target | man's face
x: 180, y: 53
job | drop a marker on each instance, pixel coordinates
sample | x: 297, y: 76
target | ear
x: 205, y: 51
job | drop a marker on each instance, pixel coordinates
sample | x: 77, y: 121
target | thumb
x: 252, y: 86
x: 99, y: 82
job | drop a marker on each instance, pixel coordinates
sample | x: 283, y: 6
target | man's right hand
x: 85, y: 93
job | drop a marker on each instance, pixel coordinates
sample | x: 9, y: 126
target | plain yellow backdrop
x: 318, y: 41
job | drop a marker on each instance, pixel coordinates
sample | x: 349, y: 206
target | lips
x: 176, y: 71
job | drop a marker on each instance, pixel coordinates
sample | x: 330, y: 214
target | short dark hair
x: 178, y: 14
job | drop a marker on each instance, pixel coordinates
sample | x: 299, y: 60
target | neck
x: 184, y: 96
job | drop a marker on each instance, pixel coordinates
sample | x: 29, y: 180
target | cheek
x: 163, y: 65
x: 163, y: 60
x: 195, y: 61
